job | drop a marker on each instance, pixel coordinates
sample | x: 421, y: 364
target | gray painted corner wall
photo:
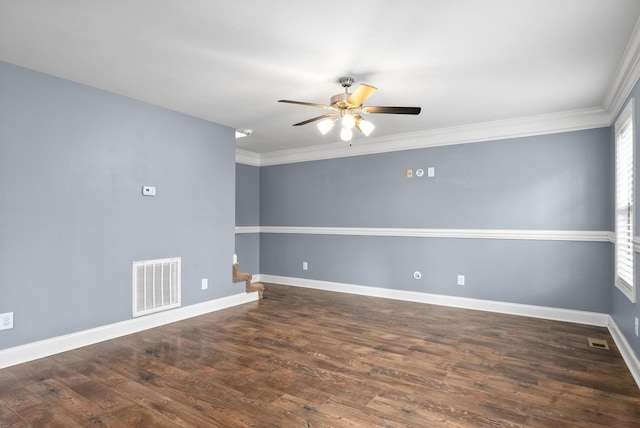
x: 73, y: 160
x: 248, y: 214
x: 247, y: 195
x: 623, y: 311
x: 557, y: 182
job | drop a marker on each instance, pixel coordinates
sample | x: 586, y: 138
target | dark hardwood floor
x: 307, y: 358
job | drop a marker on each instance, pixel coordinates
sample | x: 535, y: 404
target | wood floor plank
x: 9, y: 418
x: 59, y: 395
x: 307, y: 358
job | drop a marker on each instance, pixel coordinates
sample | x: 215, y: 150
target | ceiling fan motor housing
x: 340, y: 101
x: 346, y: 82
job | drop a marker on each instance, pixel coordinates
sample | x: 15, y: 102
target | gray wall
x: 571, y: 275
x: 73, y: 160
x: 623, y: 311
x: 248, y: 214
x: 247, y: 195
x: 560, y: 181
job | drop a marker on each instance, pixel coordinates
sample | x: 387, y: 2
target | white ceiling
x: 464, y: 61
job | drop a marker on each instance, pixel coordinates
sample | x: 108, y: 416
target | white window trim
x: 628, y: 113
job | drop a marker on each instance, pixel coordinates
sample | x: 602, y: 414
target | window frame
x: 625, y: 120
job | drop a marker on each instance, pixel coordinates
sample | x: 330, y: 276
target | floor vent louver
x: 156, y: 285
x: 598, y: 343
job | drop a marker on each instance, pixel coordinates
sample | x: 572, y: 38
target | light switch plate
x: 148, y: 190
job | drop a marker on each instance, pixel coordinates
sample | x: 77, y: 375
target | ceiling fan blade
x: 305, y: 104
x: 324, y: 116
x: 361, y: 93
x: 392, y: 110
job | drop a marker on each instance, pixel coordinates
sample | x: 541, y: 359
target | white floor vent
x: 156, y: 285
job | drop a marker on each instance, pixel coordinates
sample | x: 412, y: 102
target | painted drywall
x: 569, y: 275
x: 248, y: 214
x: 247, y: 195
x: 624, y: 311
x: 557, y: 182
x: 73, y: 160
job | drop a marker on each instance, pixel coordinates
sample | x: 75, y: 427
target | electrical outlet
x: 460, y: 279
x: 6, y: 321
x: 409, y: 173
x: 205, y: 283
x: 305, y: 266
x: 636, y: 326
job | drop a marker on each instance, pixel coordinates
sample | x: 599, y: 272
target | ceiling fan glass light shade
x: 346, y: 134
x: 325, y: 126
x: 348, y: 121
x: 365, y: 127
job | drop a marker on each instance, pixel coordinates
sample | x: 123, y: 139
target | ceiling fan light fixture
x: 346, y: 134
x: 325, y: 125
x: 348, y: 108
x: 365, y: 127
x: 348, y: 121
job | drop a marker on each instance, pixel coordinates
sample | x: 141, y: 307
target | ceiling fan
x: 347, y: 108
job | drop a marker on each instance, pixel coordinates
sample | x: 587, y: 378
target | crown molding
x: 247, y: 158
x: 498, y: 130
x: 626, y: 76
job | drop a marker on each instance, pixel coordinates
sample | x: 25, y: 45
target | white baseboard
x: 44, y: 348
x: 625, y: 349
x: 557, y: 314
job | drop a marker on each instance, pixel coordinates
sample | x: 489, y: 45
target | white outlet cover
x: 431, y: 171
x: 205, y: 283
x: 6, y: 321
x: 305, y: 265
x: 460, y: 279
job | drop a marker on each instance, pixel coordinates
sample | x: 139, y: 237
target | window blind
x: 624, y: 210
